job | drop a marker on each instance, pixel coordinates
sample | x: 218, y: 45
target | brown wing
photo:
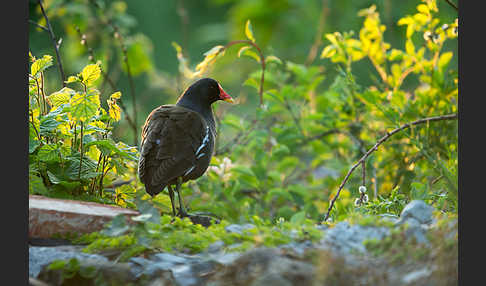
x: 171, y: 137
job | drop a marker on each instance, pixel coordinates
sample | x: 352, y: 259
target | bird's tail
x: 154, y: 190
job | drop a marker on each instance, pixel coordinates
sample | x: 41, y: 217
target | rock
x: 95, y: 272
x: 42, y: 256
x: 417, y: 231
x: 412, y: 278
x: 263, y: 266
x: 346, y: 238
x: 48, y: 216
x: 238, y: 228
x: 418, y: 210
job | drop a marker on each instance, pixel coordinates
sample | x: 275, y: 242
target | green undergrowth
x: 151, y: 232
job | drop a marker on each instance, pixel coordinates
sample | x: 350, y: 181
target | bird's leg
x: 182, y: 210
x: 171, y: 196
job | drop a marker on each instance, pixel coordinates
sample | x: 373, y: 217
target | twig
x: 39, y: 26
x: 375, y: 147
x: 262, y: 61
x: 55, y: 44
x: 452, y: 4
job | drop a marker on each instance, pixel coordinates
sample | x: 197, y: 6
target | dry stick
x: 375, y: 147
x: 262, y: 61
x: 452, y: 4
x: 56, y: 46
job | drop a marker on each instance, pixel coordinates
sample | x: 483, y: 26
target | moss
x: 181, y: 235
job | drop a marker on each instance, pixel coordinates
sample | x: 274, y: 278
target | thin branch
x: 452, y: 4
x: 262, y: 61
x: 38, y: 25
x: 375, y: 147
x: 54, y: 43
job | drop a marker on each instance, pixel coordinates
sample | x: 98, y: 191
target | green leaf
x: 47, y: 124
x: 271, y: 58
x: 298, y: 217
x: 48, y: 153
x: 249, y: 31
x: 33, y: 144
x: 84, y: 107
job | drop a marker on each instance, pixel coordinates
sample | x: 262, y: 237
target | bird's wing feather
x: 171, y: 136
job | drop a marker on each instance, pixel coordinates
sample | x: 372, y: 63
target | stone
x: 237, y: 228
x: 418, y: 210
x: 345, y: 238
x: 48, y: 216
x: 43, y: 256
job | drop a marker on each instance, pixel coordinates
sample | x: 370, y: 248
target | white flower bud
x: 357, y: 202
x: 362, y: 189
x: 365, y: 198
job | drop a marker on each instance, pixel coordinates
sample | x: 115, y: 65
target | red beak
x: 224, y: 96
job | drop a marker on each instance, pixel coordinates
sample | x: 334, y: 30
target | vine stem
x: 262, y: 61
x: 378, y: 143
x: 56, y: 45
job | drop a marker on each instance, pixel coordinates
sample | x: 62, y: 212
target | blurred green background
x: 284, y: 28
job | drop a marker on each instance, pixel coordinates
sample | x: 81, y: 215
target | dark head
x: 202, y: 94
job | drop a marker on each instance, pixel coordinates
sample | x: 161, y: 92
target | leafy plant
x: 71, y: 153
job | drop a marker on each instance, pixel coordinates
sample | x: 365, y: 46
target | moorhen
x: 178, y: 140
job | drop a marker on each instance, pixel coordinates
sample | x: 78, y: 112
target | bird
x: 177, y: 140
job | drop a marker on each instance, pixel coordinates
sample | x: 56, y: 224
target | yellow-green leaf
x: 115, y: 95
x: 444, y: 59
x: 83, y: 106
x: 90, y: 74
x: 60, y: 97
x: 272, y: 58
x: 249, y: 31
x: 328, y: 52
x: 422, y: 8
x: 114, y: 111
x: 242, y: 49
x: 409, y: 47
x: 41, y: 64
x: 72, y: 79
